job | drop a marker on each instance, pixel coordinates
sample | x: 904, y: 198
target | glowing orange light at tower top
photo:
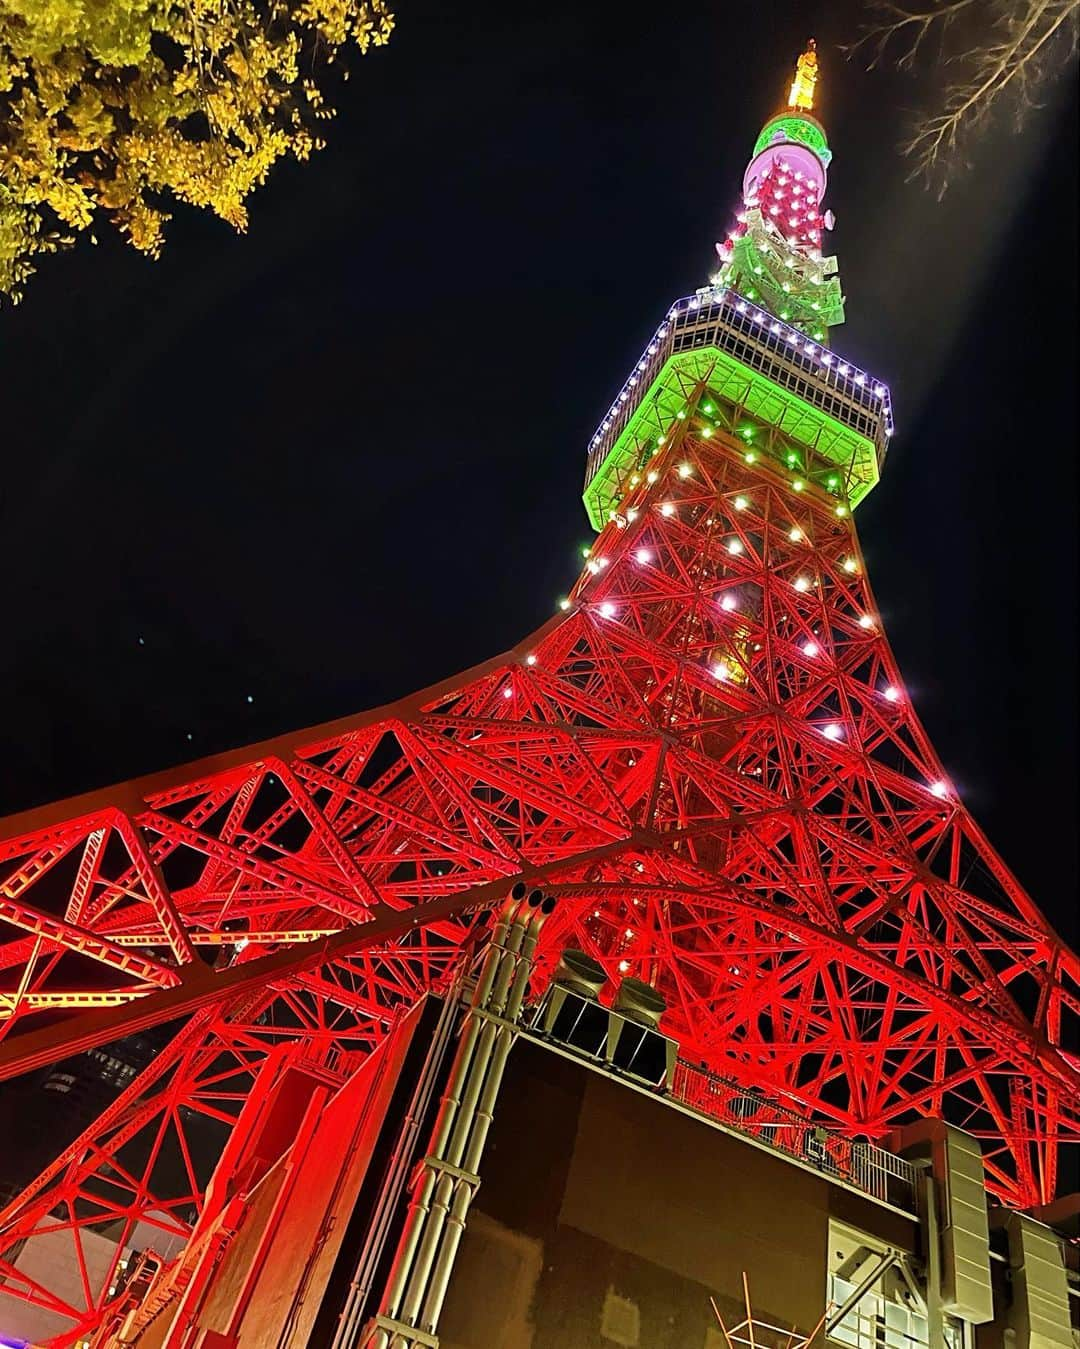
x: 806, y: 73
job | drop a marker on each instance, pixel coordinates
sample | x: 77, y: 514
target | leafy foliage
x: 117, y: 108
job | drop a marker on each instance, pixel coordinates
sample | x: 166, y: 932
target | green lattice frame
x: 770, y: 420
x: 806, y: 130
x: 816, y: 308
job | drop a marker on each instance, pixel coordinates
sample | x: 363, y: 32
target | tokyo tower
x: 708, y: 756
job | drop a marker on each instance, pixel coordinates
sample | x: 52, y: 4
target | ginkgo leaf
x: 111, y: 110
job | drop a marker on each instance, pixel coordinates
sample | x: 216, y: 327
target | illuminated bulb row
x: 693, y: 302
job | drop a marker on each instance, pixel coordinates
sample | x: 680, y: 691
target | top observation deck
x: 784, y: 393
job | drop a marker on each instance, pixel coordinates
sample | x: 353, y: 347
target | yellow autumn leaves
x: 119, y: 108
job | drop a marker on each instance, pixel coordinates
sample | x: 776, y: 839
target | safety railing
x: 723, y: 318
x: 863, y: 1165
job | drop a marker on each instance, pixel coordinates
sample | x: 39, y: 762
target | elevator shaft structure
x: 447, y: 1179
x: 708, y: 756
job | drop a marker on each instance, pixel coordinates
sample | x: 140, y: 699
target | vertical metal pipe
x: 465, y: 1190
x: 469, y: 1081
x: 411, y: 1246
x: 436, y: 1189
x: 442, y: 1196
x: 934, y: 1313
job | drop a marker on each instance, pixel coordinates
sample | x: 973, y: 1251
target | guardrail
x: 873, y: 1170
x: 723, y: 318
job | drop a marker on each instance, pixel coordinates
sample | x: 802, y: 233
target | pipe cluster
x: 447, y: 1179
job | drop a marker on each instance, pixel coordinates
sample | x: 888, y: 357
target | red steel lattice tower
x: 708, y: 755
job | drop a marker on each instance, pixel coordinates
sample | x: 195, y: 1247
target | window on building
x: 890, y: 1314
x: 876, y: 1322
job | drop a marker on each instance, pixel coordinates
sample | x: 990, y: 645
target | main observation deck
x: 788, y: 397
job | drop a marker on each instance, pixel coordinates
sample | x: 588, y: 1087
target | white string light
x: 693, y: 303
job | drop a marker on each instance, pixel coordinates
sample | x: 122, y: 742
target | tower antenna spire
x: 805, y: 81
x: 774, y: 253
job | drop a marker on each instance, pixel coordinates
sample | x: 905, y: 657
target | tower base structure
x: 531, y: 1167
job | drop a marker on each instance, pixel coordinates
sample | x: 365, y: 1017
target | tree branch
x: 1020, y: 47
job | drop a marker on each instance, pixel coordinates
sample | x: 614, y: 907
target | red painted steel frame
x: 735, y: 802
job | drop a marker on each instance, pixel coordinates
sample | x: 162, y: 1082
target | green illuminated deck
x: 824, y: 423
x: 799, y: 127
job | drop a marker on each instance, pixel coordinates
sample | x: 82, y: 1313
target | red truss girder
x: 734, y: 800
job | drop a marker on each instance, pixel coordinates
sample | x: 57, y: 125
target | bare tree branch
x: 912, y: 26
x: 1001, y: 51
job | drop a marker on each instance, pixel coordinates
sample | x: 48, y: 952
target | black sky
x: 340, y: 458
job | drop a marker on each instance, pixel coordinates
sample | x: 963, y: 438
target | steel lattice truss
x: 709, y: 757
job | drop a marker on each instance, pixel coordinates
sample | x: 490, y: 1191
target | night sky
x: 322, y: 465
